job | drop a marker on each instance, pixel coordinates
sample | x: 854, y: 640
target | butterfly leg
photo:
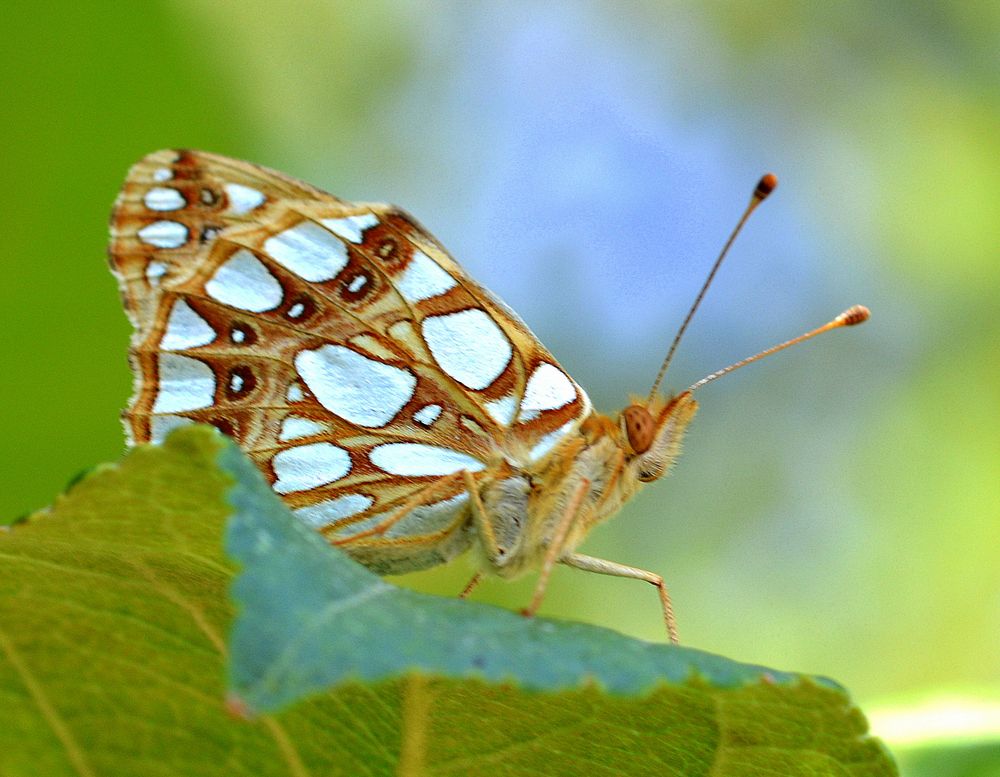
x: 603, y: 567
x: 486, y: 534
x: 471, y: 585
x: 556, y: 545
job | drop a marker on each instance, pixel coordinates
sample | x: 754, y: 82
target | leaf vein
x: 73, y: 750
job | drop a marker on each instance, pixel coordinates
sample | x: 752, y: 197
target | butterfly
x: 395, y: 405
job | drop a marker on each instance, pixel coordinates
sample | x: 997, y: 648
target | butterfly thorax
x: 527, y: 504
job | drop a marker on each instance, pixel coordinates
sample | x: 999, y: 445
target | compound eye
x: 648, y: 476
x: 639, y: 428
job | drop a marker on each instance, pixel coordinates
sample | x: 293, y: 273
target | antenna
x: 850, y: 317
x: 765, y: 186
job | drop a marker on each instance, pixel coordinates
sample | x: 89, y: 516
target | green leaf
x: 113, y: 616
x: 312, y: 619
x: 113, y: 613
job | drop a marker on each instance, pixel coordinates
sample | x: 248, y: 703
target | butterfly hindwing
x: 338, y: 343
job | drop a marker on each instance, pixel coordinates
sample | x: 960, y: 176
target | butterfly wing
x: 338, y: 343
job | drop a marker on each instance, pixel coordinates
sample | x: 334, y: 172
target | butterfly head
x: 652, y: 433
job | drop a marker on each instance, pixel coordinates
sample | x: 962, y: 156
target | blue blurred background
x: 837, y: 509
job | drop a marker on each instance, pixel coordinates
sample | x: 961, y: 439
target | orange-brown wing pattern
x: 338, y: 343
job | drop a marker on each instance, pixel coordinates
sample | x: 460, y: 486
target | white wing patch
x: 185, y: 384
x: 155, y: 271
x: 421, y: 520
x: 469, y: 346
x: 427, y: 415
x: 295, y: 393
x: 415, y: 459
x: 358, y: 389
x: 164, y: 234
x: 549, y: 441
x: 295, y: 427
x: 244, y: 282
x: 161, y: 425
x: 423, y: 279
x: 429, y: 519
x: 243, y: 199
x: 309, y: 251
x: 502, y: 410
x: 185, y: 329
x: 163, y: 198
x: 351, y: 228
x: 548, y: 389
x: 324, y: 513
x: 309, y: 466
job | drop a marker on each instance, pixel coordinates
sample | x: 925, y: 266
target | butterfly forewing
x: 338, y: 343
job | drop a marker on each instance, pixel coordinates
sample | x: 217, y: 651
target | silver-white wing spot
x: 549, y: 441
x: 243, y: 199
x: 294, y: 427
x: 429, y: 519
x: 351, y: 228
x: 185, y: 384
x: 164, y: 198
x: 185, y: 329
x: 415, y: 459
x: 548, y: 389
x: 427, y: 415
x: 308, y: 466
x: 155, y: 271
x: 164, y: 234
x: 423, y: 279
x: 162, y: 174
x: 309, y: 251
x: 161, y: 425
x: 324, y: 513
x: 295, y: 393
x: 244, y: 282
x: 502, y: 410
x: 469, y: 346
x: 358, y: 389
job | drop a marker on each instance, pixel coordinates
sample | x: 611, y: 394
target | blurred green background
x: 837, y: 509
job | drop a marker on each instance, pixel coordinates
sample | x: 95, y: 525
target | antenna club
x: 764, y: 187
x: 767, y: 184
x: 854, y: 315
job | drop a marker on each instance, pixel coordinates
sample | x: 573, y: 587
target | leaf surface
x: 485, y: 691
x: 114, y: 612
